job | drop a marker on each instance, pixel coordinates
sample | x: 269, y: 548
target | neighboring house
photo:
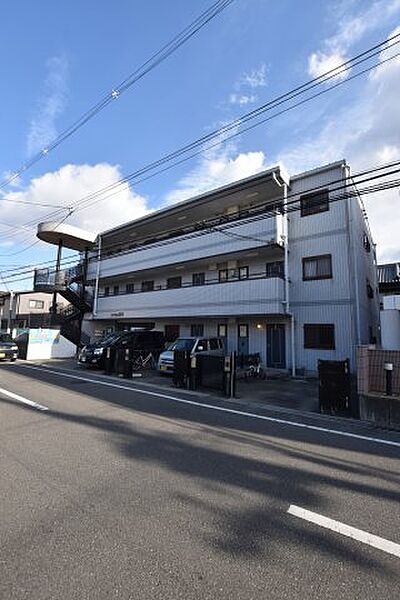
x: 21, y: 310
x: 389, y: 289
x: 294, y: 285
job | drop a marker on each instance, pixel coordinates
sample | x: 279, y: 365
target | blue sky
x: 58, y: 59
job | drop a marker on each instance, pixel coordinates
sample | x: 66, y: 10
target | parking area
x: 277, y: 389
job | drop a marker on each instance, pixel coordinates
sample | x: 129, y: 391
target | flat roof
x: 70, y: 236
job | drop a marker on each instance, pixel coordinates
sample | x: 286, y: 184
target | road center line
x: 23, y: 400
x: 347, y: 530
x: 219, y: 408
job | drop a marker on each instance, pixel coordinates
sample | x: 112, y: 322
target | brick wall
x: 371, y: 376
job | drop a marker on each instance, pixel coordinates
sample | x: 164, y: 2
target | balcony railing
x: 49, y: 280
x: 255, y: 295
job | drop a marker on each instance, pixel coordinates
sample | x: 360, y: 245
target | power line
x: 151, y: 63
x: 292, y: 198
x: 289, y: 207
x: 137, y: 176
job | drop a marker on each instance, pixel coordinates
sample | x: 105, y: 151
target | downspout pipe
x: 287, y: 284
x: 96, y: 287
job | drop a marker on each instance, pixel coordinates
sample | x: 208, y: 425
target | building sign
x: 44, y: 336
x: 117, y: 314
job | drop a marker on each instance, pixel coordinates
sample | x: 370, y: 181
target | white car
x: 212, y: 346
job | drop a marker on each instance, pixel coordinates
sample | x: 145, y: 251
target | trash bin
x: 109, y: 361
x: 124, y: 363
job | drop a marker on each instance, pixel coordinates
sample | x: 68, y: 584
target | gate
x: 334, y: 387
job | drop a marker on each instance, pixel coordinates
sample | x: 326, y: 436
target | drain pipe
x: 96, y: 287
x: 286, y: 250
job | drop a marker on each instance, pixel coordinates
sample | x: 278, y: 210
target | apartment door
x: 243, y: 338
x: 276, y: 349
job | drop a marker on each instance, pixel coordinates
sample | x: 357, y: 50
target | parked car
x: 8, y: 347
x: 141, y: 340
x: 194, y: 345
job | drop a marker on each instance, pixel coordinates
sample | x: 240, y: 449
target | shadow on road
x: 240, y: 459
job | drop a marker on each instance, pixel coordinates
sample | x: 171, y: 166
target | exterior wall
x: 338, y: 232
x: 267, y: 231
x: 248, y: 297
x: 341, y: 300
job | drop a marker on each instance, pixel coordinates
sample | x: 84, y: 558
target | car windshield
x: 109, y: 339
x: 182, y: 344
x: 5, y: 337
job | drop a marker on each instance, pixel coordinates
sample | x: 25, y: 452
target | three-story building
x: 284, y: 266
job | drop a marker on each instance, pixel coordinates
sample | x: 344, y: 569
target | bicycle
x: 141, y: 362
x: 254, y: 368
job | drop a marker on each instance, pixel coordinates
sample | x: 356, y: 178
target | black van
x: 141, y: 340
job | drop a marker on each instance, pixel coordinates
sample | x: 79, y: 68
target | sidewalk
x: 291, y: 394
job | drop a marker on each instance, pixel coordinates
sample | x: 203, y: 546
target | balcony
x: 46, y: 280
x: 237, y: 238
x: 257, y: 296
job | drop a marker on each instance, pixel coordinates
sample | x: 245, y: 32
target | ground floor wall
x: 269, y: 336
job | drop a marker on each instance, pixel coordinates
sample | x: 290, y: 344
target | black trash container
x: 109, y: 360
x: 124, y: 363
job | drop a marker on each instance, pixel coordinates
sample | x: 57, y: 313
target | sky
x: 58, y: 59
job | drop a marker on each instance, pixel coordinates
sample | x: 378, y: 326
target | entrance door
x: 276, y: 354
x: 243, y: 339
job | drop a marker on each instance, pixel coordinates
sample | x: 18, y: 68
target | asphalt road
x: 114, y: 493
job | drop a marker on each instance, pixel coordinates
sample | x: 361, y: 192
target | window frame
x: 115, y: 290
x: 130, y: 288
x: 246, y: 270
x: 147, y: 288
x: 317, y: 277
x: 193, y: 332
x: 201, y: 275
x: 223, y: 279
x: 225, y: 327
x: 314, y: 208
x: 312, y: 344
x: 106, y: 290
x: 174, y: 282
x: 33, y: 304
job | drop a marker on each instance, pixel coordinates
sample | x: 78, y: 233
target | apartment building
x: 284, y: 266
x: 389, y: 289
x: 23, y: 309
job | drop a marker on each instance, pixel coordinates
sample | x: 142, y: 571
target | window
x: 116, y: 290
x: 174, y: 282
x: 370, y: 290
x: 243, y: 272
x: 147, y: 286
x: 197, y: 329
x: 107, y: 291
x: 222, y: 330
x: 36, y: 304
x: 243, y: 330
x: 319, y: 337
x: 130, y: 288
x: 4, y: 323
x: 2, y: 300
x: 214, y: 345
x: 275, y: 269
x: 312, y: 204
x: 317, y: 267
x: 366, y: 243
x: 198, y: 279
x: 201, y: 346
x: 223, y: 275
x: 171, y: 332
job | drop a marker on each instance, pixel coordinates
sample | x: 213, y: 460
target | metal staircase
x: 69, y: 283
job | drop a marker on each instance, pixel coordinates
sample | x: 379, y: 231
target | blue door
x: 243, y: 339
x: 276, y: 348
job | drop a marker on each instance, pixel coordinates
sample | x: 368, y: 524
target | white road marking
x: 220, y: 408
x: 23, y: 400
x: 347, y: 530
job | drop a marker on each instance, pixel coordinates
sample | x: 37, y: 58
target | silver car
x: 212, y: 346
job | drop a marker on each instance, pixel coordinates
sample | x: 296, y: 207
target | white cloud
x: 242, y: 99
x: 246, y: 84
x: 42, y: 127
x: 320, y: 63
x: 215, y: 170
x: 62, y: 188
x: 366, y: 133
x: 253, y: 79
x: 351, y: 28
